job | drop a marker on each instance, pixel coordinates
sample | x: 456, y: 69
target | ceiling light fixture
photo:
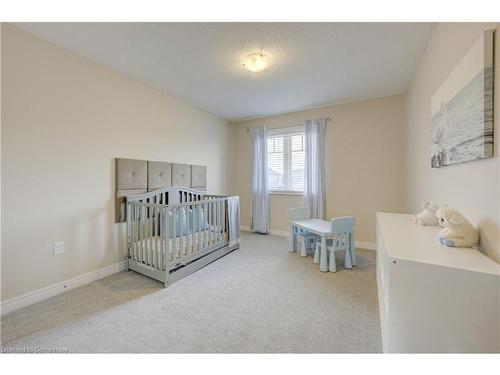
x: 256, y: 62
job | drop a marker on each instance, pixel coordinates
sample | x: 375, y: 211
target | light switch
x: 59, y: 248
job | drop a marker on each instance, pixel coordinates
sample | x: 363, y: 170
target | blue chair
x: 342, y: 240
x: 308, y: 238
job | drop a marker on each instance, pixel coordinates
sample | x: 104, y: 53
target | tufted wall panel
x: 131, y: 174
x: 181, y: 175
x: 131, y: 178
x: 198, y: 176
x: 159, y: 174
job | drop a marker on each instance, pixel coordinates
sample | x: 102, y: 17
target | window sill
x: 284, y: 192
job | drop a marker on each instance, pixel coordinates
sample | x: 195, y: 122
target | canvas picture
x: 462, y: 108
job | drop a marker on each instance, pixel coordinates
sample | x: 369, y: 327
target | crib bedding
x: 195, y: 219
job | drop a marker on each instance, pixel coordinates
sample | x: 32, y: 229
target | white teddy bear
x: 457, y: 230
x: 428, y: 214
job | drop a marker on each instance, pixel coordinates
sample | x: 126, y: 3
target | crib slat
x: 159, y: 234
x: 222, y: 220
x: 210, y: 222
x: 155, y: 236
x: 191, y: 232
x: 145, y: 235
x: 212, y: 232
x: 216, y: 206
x: 164, y: 248
x: 219, y: 222
x: 215, y: 221
x: 223, y: 208
x: 205, y: 229
x: 158, y: 240
x: 168, y: 234
x: 132, y: 243
x: 150, y: 236
x: 224, y: 205
x: 160, y: 237
x: 137, y: 228
x: 139, y: 249
x: 191, y: 228
x: 181, y: 231
x: 187, y: 230
x: 132, y: 234
x: 174, y: 235
x: 137, y: 232
x: 141, y: 233
x: 199, y: 225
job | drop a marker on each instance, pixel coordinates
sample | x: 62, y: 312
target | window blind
x: 285, y: 159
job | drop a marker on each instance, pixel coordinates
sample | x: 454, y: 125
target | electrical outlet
x: 59, y: 248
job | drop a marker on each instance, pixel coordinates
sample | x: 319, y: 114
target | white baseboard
x: 273, y: 232
x: 366, y: 245
x: 55, y: 289
x: 284, y: 233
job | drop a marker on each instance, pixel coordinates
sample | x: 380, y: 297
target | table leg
x: 292, y: 240
x: 352, y: 251
x: 323, y: 260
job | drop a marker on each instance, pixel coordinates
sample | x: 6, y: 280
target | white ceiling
x: 311, y: 64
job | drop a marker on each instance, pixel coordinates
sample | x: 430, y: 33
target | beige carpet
x: 258, y: 299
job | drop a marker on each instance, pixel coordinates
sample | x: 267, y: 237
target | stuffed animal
x: 428, y: 214
x: 457, y: 230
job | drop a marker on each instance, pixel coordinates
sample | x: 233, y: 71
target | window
x: 285, y: 159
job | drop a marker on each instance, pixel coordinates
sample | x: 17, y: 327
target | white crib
x: 174, y: 231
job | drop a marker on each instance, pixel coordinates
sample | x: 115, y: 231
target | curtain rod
x: 291, y: 125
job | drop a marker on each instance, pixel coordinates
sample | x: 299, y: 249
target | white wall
x: 472, y: 187
x: 64, y: 119
x: 364, y: 162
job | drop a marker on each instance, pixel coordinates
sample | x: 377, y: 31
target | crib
x: 174, y: 231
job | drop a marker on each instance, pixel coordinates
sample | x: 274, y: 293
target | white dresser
x: 433, y: 298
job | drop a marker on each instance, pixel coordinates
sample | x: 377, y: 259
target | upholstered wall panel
x: 131, y: 174
x: 159, y: 174
x: 131, y: 178
x: 181, y: 175
x: 198, y: 176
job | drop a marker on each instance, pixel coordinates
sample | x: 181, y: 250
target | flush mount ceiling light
x: 256, y: 62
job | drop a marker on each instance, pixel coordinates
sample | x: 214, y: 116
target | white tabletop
x: 405, y: 239
x: 316, y: 226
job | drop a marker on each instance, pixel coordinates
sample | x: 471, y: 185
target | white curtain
x: 260, y: 193
x: 314, y: 173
